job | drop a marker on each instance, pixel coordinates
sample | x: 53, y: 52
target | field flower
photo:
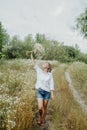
x: 39, y: 48
x: 17, y: 98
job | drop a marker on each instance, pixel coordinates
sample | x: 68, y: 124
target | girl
x: 45, y: 88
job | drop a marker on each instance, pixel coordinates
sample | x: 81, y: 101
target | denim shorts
x: 43, y: 94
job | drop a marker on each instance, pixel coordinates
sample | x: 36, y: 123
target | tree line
x: 14, y: 47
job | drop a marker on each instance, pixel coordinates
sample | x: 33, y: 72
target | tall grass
x: 79, y: 77
x: 18, y: 99
x: 17, y: 95
x: 17, y: 79
x: 67, y: 113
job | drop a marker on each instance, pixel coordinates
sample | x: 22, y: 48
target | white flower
x: 39, y: 48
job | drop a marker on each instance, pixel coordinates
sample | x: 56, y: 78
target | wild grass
x: 17, y: 95
x: 18, y: 98
x: 67, y: 114
x: 78, y: 72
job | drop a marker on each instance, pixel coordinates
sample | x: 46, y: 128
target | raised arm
x: 32, y: 58
x: 36, y: 66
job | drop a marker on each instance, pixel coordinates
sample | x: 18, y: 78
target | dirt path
x: 75, y: 92
x: 46, y: 126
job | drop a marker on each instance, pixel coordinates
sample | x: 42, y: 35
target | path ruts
x: 75, y: 92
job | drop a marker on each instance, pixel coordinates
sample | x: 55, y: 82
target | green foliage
x: 82, y: 57
x: 72, y: 53
x: 82, y: 23
x: 17, y: 48
x: 53, y: 50
x: 40, y: 38
x: 61, y: 53
x: 4, y: 37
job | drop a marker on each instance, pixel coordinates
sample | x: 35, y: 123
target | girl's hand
x: 52, y: 95
x: 32, y: 58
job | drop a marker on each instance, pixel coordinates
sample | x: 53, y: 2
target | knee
x: 45, y: 106
x: 40, y: 107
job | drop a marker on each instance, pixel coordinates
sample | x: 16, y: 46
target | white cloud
x: 52, y: 17
x: 58, y: 10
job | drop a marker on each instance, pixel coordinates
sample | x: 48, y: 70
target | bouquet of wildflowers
x: 38, y: 51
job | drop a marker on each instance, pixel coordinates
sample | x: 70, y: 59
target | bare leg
x: 45, y: 103
x: 40, y: 108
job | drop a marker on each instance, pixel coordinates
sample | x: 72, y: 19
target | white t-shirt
x: 44, y: 80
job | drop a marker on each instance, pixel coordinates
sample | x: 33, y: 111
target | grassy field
x: 17, y: 79
x: 17, y: 94
x: 67, y: 113
x: 18, y: 103
x: 79, y: 77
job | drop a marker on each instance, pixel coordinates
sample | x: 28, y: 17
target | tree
x: 4, y: 37
x: 82, y: 23
x: 17, y: 48
x: 29, y: 42
x: 40, y: 38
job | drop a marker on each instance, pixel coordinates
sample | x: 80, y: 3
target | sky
x: 54, y: 18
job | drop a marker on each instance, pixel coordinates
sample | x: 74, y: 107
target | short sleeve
x: 51, y: 82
